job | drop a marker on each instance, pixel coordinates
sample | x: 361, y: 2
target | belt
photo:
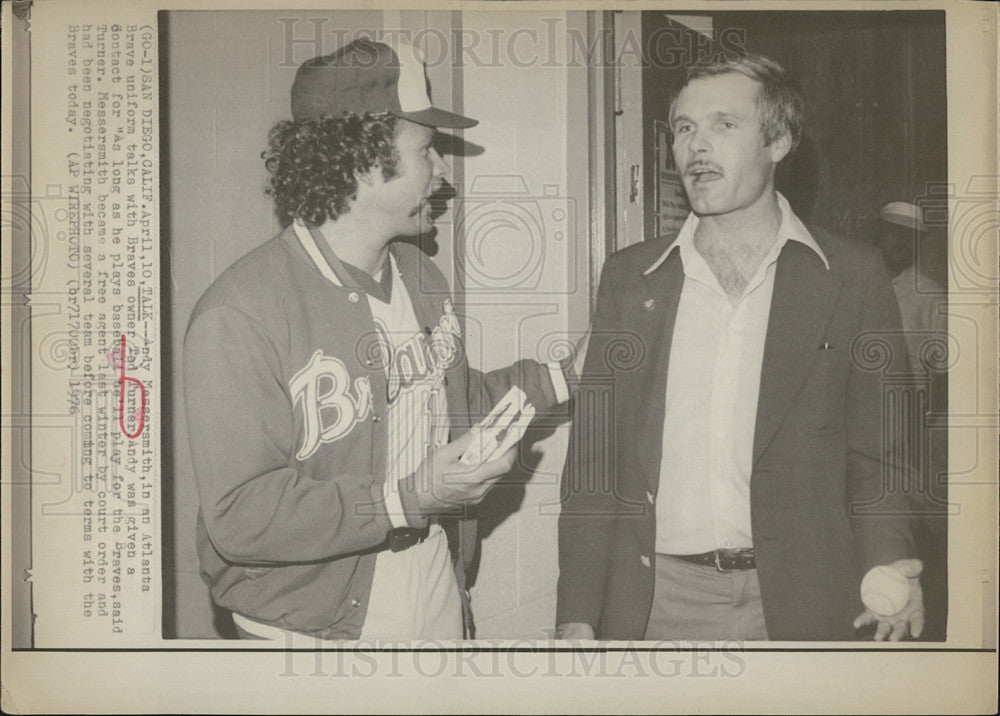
x: 405, y: 537
x: 724, y: 560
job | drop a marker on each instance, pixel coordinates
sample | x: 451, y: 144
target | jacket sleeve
x: 258, y: 507
x: 880, y: 478
x: 587, y: 489
x: 534, y: 378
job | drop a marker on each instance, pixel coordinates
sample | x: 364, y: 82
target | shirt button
x: 355, y: 603
x: 353, y: 297
x: 645, y: 560
x: 376, y: 419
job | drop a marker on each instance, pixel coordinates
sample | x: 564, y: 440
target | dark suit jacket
x: 826, y: 502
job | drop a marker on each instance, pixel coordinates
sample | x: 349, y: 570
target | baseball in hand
x: 885, y: 591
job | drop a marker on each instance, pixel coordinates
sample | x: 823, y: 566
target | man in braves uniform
x: 325, y: 378
x: 741, y: 485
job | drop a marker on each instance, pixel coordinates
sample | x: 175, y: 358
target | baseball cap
x: 903, y: 214
x: 374, y: 77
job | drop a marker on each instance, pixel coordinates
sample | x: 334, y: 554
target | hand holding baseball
x: 893, y: 600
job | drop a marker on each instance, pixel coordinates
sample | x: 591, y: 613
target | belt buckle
x: 718, y: 560
x: 738, y: 558
x: 404, y: 538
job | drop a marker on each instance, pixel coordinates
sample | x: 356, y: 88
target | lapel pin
x: 648, y: 304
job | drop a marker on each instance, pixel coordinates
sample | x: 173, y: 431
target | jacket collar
x: 336, y: 271
x: 804, y: 300
x: 313, y: 251
x: 791, y: 229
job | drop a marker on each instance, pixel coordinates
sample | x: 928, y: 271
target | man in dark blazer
x: 727, y: 475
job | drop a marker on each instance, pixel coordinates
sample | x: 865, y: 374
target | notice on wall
x: 671, y: 202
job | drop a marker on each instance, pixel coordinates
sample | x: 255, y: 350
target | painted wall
x: 523, y: 229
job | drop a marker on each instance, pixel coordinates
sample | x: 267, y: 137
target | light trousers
x: 696, y: 603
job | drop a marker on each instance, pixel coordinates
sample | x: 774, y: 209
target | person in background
x: 921, y: 299
x: 910, y: 248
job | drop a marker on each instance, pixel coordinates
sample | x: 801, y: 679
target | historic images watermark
x: 556, y: 44
x: 492, y: 658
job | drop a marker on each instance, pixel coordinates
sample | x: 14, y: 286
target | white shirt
x: 417, y: 407
x: 713, y: 383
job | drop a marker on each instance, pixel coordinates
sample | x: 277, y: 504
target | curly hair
x: 314, y: 163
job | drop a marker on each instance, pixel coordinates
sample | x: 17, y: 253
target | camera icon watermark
x: 972, y: 220
x: 511, y: 236
x: 34, y: 216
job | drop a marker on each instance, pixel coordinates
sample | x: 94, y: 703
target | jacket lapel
x: 804, y: 298
x: 662, y: 293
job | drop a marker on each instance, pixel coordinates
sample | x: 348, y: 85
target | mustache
x: 701, y: 165
x: 437, y: 197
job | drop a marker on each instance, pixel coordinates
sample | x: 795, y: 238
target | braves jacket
x: 285, y: 401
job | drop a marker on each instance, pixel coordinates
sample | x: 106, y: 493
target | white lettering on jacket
x: 331, y: 405
x: 420, y: 356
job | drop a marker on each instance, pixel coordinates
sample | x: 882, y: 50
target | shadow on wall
x: 507, y: 496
